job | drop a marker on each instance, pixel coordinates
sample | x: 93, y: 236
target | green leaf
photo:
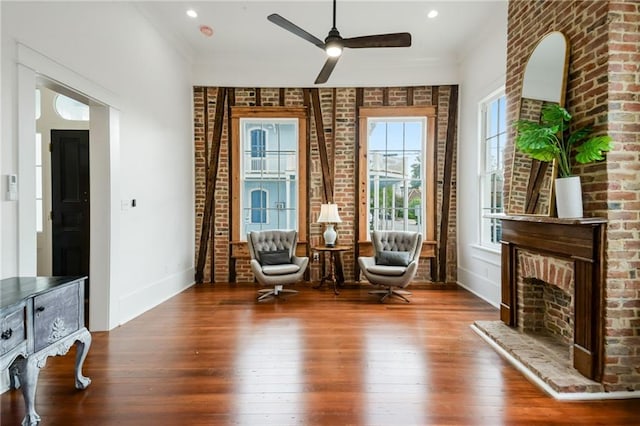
x: 555, y: 115
x: 593, y: 148
x: 579, y: 135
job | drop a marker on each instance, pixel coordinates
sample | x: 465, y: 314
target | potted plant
x: 550, y: 140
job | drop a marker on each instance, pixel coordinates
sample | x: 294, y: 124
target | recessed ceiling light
x: 192, y: 13
x: 432, y: 14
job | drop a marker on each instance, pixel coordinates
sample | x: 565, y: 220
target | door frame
x: 35, y: 69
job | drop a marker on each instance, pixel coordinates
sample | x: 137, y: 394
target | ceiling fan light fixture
x: 333, y: 49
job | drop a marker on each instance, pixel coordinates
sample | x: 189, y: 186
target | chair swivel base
x: 392, y: 292
x: 267, y: 293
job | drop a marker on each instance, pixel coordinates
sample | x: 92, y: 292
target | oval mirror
x: 544, y: 82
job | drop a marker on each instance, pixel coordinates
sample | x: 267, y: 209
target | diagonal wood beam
x: 211, y: 185
x: 327, y: 178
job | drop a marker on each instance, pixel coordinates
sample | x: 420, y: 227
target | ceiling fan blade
x: 379, y: 40
x: 293, y: 28
x: 326, y: 70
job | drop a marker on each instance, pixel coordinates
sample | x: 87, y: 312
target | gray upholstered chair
x: 395, y: 262
x: 273, y: 261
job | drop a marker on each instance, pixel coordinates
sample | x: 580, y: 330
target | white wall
x: 482, y: 72
x: 143, y: 87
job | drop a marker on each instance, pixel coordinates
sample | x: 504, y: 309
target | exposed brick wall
x: 340, y: 137
x: 602, y: 89
x: 623, y: 198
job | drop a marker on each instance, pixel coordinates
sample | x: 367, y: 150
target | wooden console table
x: 40, y: 317
x: 579, y: 240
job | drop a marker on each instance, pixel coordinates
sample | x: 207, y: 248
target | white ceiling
x: 247, y: 49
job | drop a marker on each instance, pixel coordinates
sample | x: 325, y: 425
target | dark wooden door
x: 70, y: 201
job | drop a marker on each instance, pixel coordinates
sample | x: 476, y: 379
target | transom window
x: 269, y: 174
x: 70, y: 109
x: 396, y: 170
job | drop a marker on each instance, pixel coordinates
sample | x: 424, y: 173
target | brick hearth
x: 545, y: 356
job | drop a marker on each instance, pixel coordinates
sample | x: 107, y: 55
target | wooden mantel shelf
x: 548, y: 219
x: 580, y: 241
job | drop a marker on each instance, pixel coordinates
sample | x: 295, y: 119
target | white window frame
x: 489, y: 227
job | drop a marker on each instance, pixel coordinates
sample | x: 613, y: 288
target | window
x: 395, y: 175
x: 493, y: 140
x: 270, y: 184
x: 39, y: 203
x: 70, y: 109
x: 396, y: 170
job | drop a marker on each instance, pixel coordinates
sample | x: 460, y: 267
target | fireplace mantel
x: 579, y: 240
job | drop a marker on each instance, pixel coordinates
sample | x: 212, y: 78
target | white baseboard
x: 135, y: 304
x: 485, y: 289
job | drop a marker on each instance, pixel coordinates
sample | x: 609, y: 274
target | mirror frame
x: 539, y: 172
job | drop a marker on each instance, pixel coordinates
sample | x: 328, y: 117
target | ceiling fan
x: 334, y: 43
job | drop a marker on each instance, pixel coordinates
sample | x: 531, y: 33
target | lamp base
x: 330, y: 236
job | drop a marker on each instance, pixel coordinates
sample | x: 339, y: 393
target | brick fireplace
x: 552, y: 300
x: 545, y: 289
x: 579, y: 244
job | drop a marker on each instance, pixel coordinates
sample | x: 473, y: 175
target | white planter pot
x: 569, y: 197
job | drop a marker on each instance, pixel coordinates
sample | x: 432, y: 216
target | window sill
x: 487, y: 249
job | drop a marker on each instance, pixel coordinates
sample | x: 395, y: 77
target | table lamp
x: 329, y: 215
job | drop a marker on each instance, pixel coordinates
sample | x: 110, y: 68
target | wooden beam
x: 327, y: 178
x: 536, y: 179
x: 356, y: 218
x: 434, y: 265
x: 281, y: 94
x: 207, y: 218
x: 385, y: 96
x: 258, y: 97
x: 409, y: 96
x: 452, y: 119
x: 207, y: 166
x: 306, y: 99
x: 231, y: 102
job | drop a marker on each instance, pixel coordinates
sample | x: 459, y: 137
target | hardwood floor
x: 214, y: 356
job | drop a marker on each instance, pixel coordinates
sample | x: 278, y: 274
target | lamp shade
x: 329, y: 214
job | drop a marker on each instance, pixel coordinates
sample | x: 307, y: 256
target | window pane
x: 395, y: 135
x: 70, y: 109
x: 491, y: 161
x: 377, y: 136
x: 38, y: 182
x: 38, y: 149
x: 502, y: 121
x: 38, y: 107
x: 39, y: 218
x: 492, y: 119
x: 413, y: 136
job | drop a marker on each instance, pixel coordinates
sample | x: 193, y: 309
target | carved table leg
x: 82, y: 348
x: 28, y: 370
